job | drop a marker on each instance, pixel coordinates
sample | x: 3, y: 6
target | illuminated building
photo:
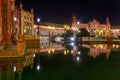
x: 6, y: 21
x: 94, y: 27
x: 115, y: 31
x: 23, y: 22
x: 48, y: 30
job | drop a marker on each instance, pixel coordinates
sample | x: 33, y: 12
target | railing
x: 93, y: 39
x: 33, y: 43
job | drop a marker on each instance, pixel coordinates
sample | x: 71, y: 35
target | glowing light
x: 113, y: 46
x: 38, y: 19
x: 72, y: 44
x: 101, y: 46
x: 49, y: 51
x: 38, y: 67
x: 78, y: 22
x: 65, y: 52
x: 79, y: 52
x: 24, y: 30
x: 77, y: 58
x: 15, y: 19
x: 72, y: 39
x: 68, y: 27
x: 33, y: 55
x: 94, y: 31
x: 65, y: 26
x: 15, y: 68
x: 53, y: 50
x: 117, y: 46
x: 71, y: 51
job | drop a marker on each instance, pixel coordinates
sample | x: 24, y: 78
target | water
x: 86, y: 62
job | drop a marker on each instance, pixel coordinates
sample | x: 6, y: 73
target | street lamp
x: 38, y: 20
x: 66, y: 27
x: 78, y: 22
x: 15, y: 29
x: 38, y: 64
x: 15, y: 19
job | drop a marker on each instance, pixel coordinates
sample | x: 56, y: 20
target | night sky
x: 61, y: 11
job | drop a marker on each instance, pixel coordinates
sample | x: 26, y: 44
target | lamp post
x: 15, y: 30
x: 38, y: 20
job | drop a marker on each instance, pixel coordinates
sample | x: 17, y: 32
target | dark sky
x: 61, y: 11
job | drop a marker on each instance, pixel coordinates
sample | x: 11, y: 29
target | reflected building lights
x: 34, y: 55
x: 65, y: 52
x: 53, y: 50
x: 117, y: 46
x: 48, y: 51
x: 77, y: 58
x: 15, y: 68
x: 79, y: 52
x: 38, y: 67
x: 94, y: 52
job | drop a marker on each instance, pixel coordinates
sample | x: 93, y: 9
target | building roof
x: 49, y: 24
x: 115, y: 27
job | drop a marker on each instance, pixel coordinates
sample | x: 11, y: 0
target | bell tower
x: 74, y: 21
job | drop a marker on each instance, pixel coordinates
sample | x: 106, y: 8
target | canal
x: 82, y: 62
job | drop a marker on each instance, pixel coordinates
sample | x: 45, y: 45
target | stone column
x: 0, y: 22
x: 19, y: 70
x: 20, y: 46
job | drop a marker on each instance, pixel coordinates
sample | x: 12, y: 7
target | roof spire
x: 107, y: 22
x: 21, y: 6
x: 32, y: 10
x: 74, y: 19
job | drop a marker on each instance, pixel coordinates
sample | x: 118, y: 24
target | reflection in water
x: 55, y: 57
x: 94, y: 52
x: 97, y: 49
x: 12, y: 68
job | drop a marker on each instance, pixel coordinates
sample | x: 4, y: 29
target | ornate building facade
x: 115, y: 31
x: 23, y: 22
x: 94, y: 27
x: 0, y: 22
x: 48, y: 30
x: 6, y: 20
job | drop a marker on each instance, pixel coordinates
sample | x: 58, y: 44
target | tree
x: 83, y: 33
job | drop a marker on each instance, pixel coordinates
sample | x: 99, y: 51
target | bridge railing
x: 33, y: 43
x: 93, y: 39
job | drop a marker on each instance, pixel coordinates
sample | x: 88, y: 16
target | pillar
x: 20, y: 46
x: 0, y: 22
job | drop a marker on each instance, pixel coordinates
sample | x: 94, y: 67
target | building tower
x: 107, y: 22
x: 74, y: 25
x: 74, y: 21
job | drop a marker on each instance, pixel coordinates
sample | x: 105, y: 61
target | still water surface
x: 84, y: 62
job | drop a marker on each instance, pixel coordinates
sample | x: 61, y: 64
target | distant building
x: 48, y: 30
x: 23, y: 22
x: 115, y: 31
x: 94, y: 27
